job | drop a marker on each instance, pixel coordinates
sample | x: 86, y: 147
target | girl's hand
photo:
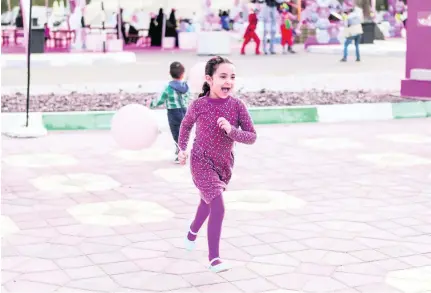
x: 182, y: 157
x: 224, y: 124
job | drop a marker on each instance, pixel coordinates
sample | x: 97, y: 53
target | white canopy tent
x: 94, y: 15
x: 104, y: 13
x: 184, y: 9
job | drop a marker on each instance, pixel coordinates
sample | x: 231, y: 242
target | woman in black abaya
x: 152, y: 31
x: 171, y: 27
x: 155, y: 30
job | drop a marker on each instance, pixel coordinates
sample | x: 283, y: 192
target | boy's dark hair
x: 176, y: 70
x: 210, y: 69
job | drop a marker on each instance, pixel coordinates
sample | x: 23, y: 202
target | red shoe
x: 258, y: 53
x: 242, y: 53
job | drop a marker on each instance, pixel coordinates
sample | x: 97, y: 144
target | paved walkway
x: 292, y: 72
x: 338, y: 208
x: 392, y: 47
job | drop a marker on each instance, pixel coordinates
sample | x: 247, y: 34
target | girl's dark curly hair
x: 210, y: 69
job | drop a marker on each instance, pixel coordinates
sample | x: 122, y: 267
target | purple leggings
x: 215, y: 211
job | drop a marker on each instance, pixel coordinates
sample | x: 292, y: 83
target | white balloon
x: 196, y: 77
x: 134, y: 127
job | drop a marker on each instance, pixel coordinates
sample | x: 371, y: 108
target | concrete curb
x: 101, y: 120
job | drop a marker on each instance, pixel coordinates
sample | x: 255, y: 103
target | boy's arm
x: 160, y: 100
x: 187, y: 98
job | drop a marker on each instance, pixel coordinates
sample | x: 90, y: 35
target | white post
x: 164, y: 24
x: 25, y: 12
x: 23, y: 126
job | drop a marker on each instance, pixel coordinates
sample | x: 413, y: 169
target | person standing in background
x: 171, y: 27
x: 250, y: 33
x: 286, y: 29
x: 352, y: 31
x: 270, y: 14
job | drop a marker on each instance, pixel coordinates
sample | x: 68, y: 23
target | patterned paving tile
x: 413, y: 138
x: 147, y: 155
x: 327, y: 220
x: 331, y: 143
x: 40, y: 160
x: 394, y: 159
x: 174, y: 175
x: 410, y: 280
x: 118, y: 213
x: 75, y: 183
x: 261, y: 200
x: 151, y: 281
x: 7, y: 226
x: 29, y: 286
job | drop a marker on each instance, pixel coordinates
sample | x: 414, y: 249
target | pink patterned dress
x: 212, y: 158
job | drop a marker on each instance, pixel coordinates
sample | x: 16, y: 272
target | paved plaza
x: 340, y: 208
x: 380, y: 71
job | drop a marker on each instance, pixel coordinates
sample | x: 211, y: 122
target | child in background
x: 46, y: 33
x: 250, y: 33
x: 224, y: 20
x: 221, y: 120
x: 175, y: 97
x: 286, y: 28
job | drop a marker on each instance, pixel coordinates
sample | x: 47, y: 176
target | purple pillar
x: 418, y: 54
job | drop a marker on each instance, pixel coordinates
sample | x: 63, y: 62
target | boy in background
x: 175, y: 97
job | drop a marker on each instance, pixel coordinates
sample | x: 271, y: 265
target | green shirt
x: 172, y: 99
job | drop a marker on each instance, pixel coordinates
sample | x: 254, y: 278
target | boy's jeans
x: 175, y: 117
x: 348, y: 41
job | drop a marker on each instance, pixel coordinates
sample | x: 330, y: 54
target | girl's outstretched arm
x: 247, y: 133
x: 187, y: 126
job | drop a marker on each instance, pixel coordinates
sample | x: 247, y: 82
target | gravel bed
x: 105, y: 102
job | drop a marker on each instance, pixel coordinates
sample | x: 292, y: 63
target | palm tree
x: 365, y: 5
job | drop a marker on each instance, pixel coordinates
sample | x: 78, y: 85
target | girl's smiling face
x: 223, y: 81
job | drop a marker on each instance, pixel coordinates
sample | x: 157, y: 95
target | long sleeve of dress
x: 247, y: 133
x: 186, y: 127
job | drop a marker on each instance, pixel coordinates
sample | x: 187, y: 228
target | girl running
x: 220, y: 121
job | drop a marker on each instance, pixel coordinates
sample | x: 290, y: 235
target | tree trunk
x: 365, y: 5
